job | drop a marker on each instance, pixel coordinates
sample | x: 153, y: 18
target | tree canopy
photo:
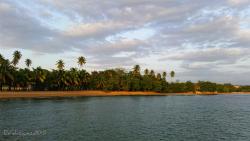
x: 14, y: 78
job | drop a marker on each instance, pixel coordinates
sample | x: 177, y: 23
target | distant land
x: 119, y: 80
x: 65, y: 94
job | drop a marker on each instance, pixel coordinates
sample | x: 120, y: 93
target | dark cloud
x: 19, y: 30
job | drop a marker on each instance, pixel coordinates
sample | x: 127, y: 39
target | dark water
x: 173, y: 118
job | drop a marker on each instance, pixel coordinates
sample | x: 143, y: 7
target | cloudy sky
x: 199, y: 39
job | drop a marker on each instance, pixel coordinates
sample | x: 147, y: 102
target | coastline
x: 58, y: 94
x: 55, y: 94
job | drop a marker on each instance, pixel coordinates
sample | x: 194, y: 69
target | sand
x: 53, y: 94
x: 49, y: 94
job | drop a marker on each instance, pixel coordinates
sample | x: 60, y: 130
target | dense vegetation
x: 13, y: 78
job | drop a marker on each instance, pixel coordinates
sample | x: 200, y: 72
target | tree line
x: 14, y: 78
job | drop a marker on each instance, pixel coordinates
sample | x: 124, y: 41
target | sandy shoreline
x: 51, y: 94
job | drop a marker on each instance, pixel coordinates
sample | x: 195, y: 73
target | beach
x: 51, y: 94
x: 54, y: 94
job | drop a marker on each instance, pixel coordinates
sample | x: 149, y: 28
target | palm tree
x: 74, y: 79
x: 136, y: 69
x: 81, y: 61
x: 146, y: 71
x: 172, y: 74
x: 101, y: 82
x: 152, y: 73
x: 6, y: 70
x: 28, y: 62
x: 1, y: 59
x: 28, y: 74
x: 62, y: 77
x: 84, y: 78
x: 39, y: 77
x: 60, y: 64
x: 16, y: 57
x: 164, y: 75
x: 158, y: 76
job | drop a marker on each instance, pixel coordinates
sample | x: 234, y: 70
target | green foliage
x: 108, y: 80
x: 189, y: 86
x: 136, y: 70
x: 60, y: 64
x: 207, y: 86
x: 16, y: 57
x: 176, y: 88
x: 243, y: 89
x: 6, y: 73
x: 28, y: 62
x: 81, y: 61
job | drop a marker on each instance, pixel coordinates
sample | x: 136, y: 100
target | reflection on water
x: 220, y: 117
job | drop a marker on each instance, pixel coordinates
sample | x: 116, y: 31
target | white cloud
x: 199, y: 34
x: 4, y: 7
x: 90, y: 30
x: 112, y: 48
x: 230, y: 55
x: 238, y: 2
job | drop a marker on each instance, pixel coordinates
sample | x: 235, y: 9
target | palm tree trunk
x: 9, y: 86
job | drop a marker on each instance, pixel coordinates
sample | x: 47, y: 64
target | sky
x: 198, y: 39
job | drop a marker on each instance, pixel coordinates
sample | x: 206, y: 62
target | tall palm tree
x: 28, y: 74
x: 83, y: 79
x: 81, y: 61
x: 6, y: 70
x: 16, y: 57
x: 39, y: 77
x: 172, y: 74
x: 74, y: 79
x: 152, y: 73
x: 136, y: 69
x: 60, y: 64
x: 146, y: 71
x: 1, y: 59
x: 158, y: 76
x: 62, y: 77
x: 28, y: 62
x: 164, y: 75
